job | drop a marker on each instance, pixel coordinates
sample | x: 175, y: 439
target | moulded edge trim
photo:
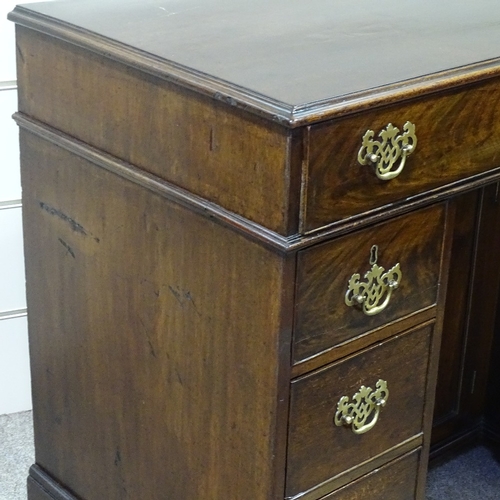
x: 155, y: 184
x: 253, y: 230
x: 231, y: 94
x: 234, y: 95
x: 48, y: 485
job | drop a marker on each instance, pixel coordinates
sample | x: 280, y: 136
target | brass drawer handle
x: 365, y: 407
x: 385, y: 154
x: 375, y: 293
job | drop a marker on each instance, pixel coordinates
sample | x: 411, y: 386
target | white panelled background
x: 15, y: 391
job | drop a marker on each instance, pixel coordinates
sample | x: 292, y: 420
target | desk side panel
x: 206, y: 146
x: 155, y: 339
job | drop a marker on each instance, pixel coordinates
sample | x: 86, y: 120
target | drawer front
x: 454, y: 141
x: 322, y: 317
x: 394, y: 481
x: 318, y: 449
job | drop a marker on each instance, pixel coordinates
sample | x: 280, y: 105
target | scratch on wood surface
x: 189, y: 297
x: 179, y: 378
x: 177, y: 295
x: 174, y: 13
x: 168, y: 13
x: 151, y: 349
x: 146, y: 333
x: 183, y: 297
x: 20, y: 53
x: 75, y: 226
x: 69, y: 250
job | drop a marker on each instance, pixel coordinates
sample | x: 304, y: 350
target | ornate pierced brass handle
x: 363, y: 412
x: 374, y: 294
x: 388, y: 155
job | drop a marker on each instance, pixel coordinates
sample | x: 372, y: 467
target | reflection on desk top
x: 297, y: 56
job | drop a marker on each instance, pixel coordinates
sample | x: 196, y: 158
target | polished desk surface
x: 294, y: 54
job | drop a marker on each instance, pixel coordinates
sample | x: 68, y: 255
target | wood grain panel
x: 481, y: 326
x: 317, y: 449
x: 395, y: 480
x: 456, y: 311
x: 229, y: 157
x: 454, y: 142
x: 469, y: 322
x: 324, y: 320
x: 159, y: 356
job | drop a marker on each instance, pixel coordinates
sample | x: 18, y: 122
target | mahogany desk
x: 248, y: 224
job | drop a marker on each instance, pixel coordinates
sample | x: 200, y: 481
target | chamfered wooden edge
x: 231, y: 94
x: 432, y: 369
x: 154, y: 183
x: 258, y: 233
x: 289, y: 115
x: 47, y: 486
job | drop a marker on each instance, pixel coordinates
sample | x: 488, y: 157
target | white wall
x: 15, y: 391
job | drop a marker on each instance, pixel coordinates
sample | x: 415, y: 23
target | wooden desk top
x: 292, y: 61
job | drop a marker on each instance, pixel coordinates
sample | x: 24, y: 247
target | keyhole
x: 374, y: 254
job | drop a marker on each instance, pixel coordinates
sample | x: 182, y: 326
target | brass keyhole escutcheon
x: 373, y: 294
